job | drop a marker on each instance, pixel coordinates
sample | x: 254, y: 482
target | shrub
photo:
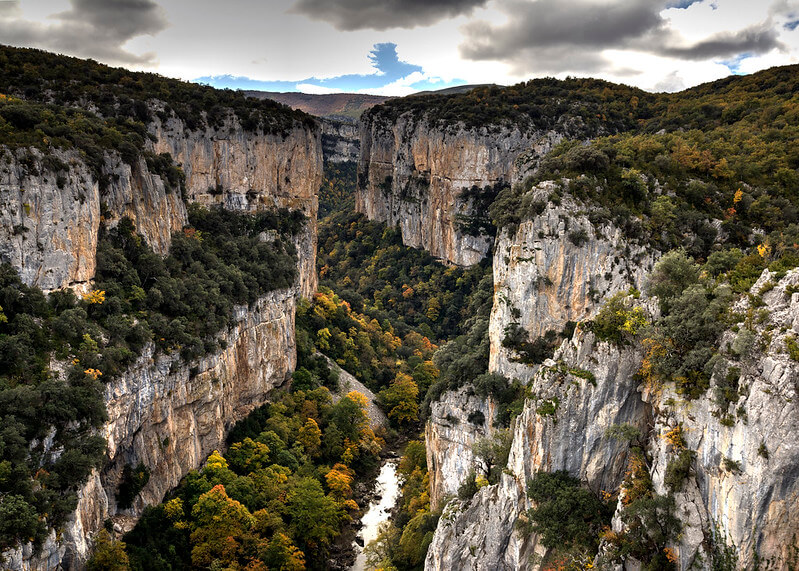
x: 566, y: 514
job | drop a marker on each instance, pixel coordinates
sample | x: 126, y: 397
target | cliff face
x: 162, y: 412
x: 450, y: 434
x: 480, y: 534
x: 171, y: 415
x: 249, y: 172
x: 558, y: 267
x: 743, y: 482
x: 745, y: 479
x: 411, y: 174
x: 340, y: 141
x: 51, y: 220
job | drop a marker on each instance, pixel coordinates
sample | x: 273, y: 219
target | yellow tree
x: 221, y: 527
x: 310, y: 436
x: 400, y: 399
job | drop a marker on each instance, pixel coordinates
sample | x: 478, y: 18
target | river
x: 387, y: 490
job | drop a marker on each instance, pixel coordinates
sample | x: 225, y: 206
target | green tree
x: 315, y: 517
x: 220, y: 528
x: 565, y: 513
x: 109, y: 555
x: 400, y: 399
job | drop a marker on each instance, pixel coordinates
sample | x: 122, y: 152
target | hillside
x: 576, y: 302
x: 334, y: 105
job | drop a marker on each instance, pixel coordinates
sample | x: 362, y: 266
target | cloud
x: 569, y: 35
x: 391, y: 76
x: 348, y: 15
x: 756, y: 39
x: 90, y: 28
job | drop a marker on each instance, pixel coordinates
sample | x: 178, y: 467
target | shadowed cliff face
x: 412, y: 174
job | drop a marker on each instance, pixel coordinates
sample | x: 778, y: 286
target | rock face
x: 557, y: 267
x: 164, y: 413
x: 341, y: 141
x: 457, y: 421
x: 743, y: 484
x: 248, y: 172
x: 171, y: 415
x: 745, y: 479
x: 51, y: 220
x: 411, y: 174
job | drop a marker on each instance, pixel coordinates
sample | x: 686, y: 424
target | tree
x: 339, y: 480
x: 248, y: 456
x: 18, y: 521
x: 493, y: 451
x: 310, y: 436
x: 315, y: 517
x: 565, y: 514
x: 109, y: 555
x: 282, y: 554
x: 220, y: 527
x: 672, y: 275
x: 400, y: 399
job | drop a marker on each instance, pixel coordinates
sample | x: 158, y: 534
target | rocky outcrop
x: 247, y: 171
x: 51, y: 209
x: 411, y: 174
x: 341, y: 141
x: 164, y: 413
x: 575, y: 397
x: 745, y: 479
x: 457, y: 420
x: 557, y: 267
x: 742, y: 488
x: 51, y: 212
x: 171, y: 415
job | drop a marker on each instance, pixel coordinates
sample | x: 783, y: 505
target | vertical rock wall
x: 411, y: 174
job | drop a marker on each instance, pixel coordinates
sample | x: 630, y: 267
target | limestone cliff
x: 164, y: 413
x: 250, y: 171
x: 557, y: 267
x: 412, y: 174
x: 456, y: 422
x: 171, y: 415
x: 51, y: 218
x: 742, y: 486
x: 340, y: 140
x: 745, y: 481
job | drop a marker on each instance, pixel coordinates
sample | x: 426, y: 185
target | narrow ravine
x: 387, y: 490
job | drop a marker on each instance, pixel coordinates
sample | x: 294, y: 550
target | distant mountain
x: 458, y: 89
x: 336, y: 105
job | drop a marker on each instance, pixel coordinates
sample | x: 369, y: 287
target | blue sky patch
x: 388, y: 69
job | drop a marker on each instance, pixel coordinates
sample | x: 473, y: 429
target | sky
x: 397, y: 47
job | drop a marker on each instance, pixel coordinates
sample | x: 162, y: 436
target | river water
x: 387, y: 489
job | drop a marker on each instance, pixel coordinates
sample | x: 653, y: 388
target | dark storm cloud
x: 558, y: 35
x: 91, y: 28
x: 757, y: 40
x: 546, y: 34
x: 383, y: 14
